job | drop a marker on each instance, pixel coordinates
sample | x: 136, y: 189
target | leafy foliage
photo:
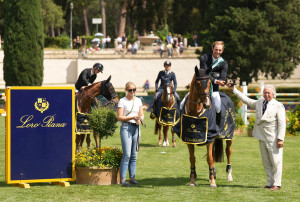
x: 103, y: 120
x: 102, y: 158
x: 259, y: 37
x: 251, y: 121
x: 293, y: 125
x: 24, y: 43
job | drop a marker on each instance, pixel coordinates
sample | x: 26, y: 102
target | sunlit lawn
x: 164, y: 175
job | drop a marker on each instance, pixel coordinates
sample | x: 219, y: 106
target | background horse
x: 86, y: 98
x: 168, y: 100
x: 198, y: 101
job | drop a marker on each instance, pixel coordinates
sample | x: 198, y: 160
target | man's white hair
x: 272, y: 88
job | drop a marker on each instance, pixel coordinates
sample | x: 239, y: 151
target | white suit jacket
x: 269, y: 126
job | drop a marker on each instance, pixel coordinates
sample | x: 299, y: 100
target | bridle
x: 204, y: 81
x: 106, y: 90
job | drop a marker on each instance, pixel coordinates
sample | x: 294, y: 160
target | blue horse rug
x: 203, y: 129
x: 164, y: 115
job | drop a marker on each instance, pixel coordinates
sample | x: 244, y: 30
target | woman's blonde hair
x: 129, y: 83
x: 219, y: 43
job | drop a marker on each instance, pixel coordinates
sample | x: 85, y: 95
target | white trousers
x: 217, y: 100
x: 271, y: 157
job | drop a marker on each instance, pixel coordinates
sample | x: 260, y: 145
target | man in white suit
x: 269, y: 129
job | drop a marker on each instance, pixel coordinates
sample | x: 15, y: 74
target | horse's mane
x: 91, y: 86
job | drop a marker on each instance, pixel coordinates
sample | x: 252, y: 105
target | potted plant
x: 100, y: 166
x: 250, y: 125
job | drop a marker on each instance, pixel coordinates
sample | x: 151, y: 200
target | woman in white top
x: 129, y: 113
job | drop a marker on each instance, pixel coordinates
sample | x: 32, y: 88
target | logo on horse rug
x: 193, y: 129
x: 166, y: 116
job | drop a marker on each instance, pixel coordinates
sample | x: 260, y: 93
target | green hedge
x: 57, y: 42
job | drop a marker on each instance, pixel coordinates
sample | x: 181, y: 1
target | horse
x: 88, y: 96
x: 168, y: 100
x: 198, y: 103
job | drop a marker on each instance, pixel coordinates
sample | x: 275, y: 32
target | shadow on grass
x: 172, y: 182
x: 3, y: 184
x: 148, y: 145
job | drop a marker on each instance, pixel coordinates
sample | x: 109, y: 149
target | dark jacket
x: 206, y: 63
x: 85, y: 78
x: 165, y: 78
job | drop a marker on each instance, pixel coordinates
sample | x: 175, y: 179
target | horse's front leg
x: 228, y: 154
x: 159, y: 133
x: 193, y: 174
x: 78, y: 141
x: 212, y: 170
x: 165, y: 132
x: 173, y: 138
x: 88, y: 141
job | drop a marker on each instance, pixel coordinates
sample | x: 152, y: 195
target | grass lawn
x: 164, y: 175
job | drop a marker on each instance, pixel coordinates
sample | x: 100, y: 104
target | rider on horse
x: 88, y: 76
x: 165, y: 76
x: 217, y: 68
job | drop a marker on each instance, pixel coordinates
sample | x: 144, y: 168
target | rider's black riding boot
x: 218, y: 118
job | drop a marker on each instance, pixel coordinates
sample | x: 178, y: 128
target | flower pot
x: 249, y: 132
x: 97, y: 176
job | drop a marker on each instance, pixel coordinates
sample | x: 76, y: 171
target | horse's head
x: 108, y: 91
x: 202, y: 85
x: 168, y: 91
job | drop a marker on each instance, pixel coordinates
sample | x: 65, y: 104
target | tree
x: 24, y: 43
x: 259, y: 38
x: 52, y: 17
x: 103, y: 17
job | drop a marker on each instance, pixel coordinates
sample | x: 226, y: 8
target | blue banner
x: 41, y: 134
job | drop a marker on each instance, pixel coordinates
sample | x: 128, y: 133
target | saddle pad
x: 167, y: 116
x: 193, y: 129
x: 82, y: 124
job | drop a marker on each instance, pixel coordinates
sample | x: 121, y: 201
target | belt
x: 129, y: 123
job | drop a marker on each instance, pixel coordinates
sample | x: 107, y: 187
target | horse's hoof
x: 167, y: 143
x: 212, y: 186
x: 192, y: 184
x: 174, y: 145
x: 164, y: 144
x: 229, y: 178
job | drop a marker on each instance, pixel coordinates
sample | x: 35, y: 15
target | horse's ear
x: 108, y: 80
x: 196, y: 71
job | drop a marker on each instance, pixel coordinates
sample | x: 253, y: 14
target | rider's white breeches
x: 217, y: 100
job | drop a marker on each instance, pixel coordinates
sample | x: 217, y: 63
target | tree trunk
x: 58, y: 31
x: 86, y: 24
x: 103, y: 17
x: 52, y: 31
x: 122, y: 18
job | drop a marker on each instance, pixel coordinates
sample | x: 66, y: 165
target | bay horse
x: 88, y: 96
x: 168, y: 100
x: 197, y: 103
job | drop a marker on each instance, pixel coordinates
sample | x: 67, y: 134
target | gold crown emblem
x: 41, y: 104
x: 193, y: 126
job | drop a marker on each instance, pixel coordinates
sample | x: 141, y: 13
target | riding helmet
x: 98, y: 66
x: 167, y: 62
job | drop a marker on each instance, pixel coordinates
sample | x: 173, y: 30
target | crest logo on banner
x: 41, y: 104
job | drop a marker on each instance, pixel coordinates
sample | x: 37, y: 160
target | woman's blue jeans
x: 129, y: 136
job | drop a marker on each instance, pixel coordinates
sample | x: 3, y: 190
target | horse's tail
x: 218, y: 150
